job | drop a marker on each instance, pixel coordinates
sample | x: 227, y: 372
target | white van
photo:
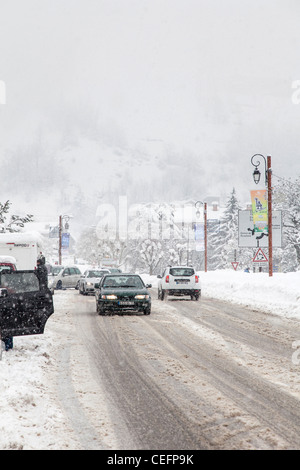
x: 24, y: 247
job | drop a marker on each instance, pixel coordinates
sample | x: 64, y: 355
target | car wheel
x: 162, y: 295
x: 59, y: 285
x: 77, y: 286
x: 147, y: 311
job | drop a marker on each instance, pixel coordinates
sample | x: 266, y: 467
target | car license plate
x: 182, y: 281
x: 126, y: 302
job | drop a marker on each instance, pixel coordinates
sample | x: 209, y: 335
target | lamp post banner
x: 260, y: 210
x: 65, y: 239
x: 199, y: 236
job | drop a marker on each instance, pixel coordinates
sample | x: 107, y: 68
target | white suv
x: 179, y: 280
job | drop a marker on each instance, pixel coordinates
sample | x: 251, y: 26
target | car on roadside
x: 55, y: 270
x: 88, y: 280
x: 179, y: 281
x: 7, y: 263
x: 25, y: 304
x: 119, y: 293
x: 67, y: 277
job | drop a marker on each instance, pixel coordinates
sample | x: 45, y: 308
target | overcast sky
x: 212, y: 76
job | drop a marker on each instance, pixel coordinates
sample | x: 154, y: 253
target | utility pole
x: 268, y: 184
x: 205, y: 228
x: 205, y: 236
x: 59, y: 239
x: 270, y: 228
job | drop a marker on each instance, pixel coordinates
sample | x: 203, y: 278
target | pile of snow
x: 278, y: 294
x: 30, y: 418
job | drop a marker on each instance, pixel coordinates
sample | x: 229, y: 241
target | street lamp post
x: 205, y: 229
x: 268, y: 183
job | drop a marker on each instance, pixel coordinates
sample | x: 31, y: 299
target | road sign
x: 248, y: 238
x: 235, y: 264
x: 260, y: 257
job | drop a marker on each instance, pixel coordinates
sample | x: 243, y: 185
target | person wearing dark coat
x: 42, y: 272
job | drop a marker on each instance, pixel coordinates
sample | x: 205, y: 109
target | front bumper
x: 124, y: 305
x: 89, y: 289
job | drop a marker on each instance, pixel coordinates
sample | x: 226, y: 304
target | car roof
x: 121, y: 274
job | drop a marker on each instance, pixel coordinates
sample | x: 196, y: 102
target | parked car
x: 122, y: 293
x: 115, y: 270
x: 88, y: 280
x: 7, y: 263
x: 25, y: 304
x: 55, y: 270
x: 179, y: 281
x: 67, y: 277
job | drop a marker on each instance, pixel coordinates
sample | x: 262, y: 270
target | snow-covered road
x: 212, y: 366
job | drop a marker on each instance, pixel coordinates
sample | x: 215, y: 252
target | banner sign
x: 260, y: 210
x: 65, y: 237
x: 199, y: 231
x: 199, y: 236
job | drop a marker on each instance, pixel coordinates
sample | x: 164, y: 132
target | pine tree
x: 223, y: 243
x: 287, y: 199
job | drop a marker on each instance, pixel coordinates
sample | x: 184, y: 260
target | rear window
x: 18, y: 282
x: 182, y: 271
x: 56, y: 270
x: 96, y: 273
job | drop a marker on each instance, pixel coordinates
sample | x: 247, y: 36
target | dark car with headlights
x: 117, y: 293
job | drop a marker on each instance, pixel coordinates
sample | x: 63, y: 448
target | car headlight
x: 142, y: 296
x: 109, y: 297
x: 90, y: 284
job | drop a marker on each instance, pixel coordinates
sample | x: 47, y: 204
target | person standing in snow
x: 42, y: 272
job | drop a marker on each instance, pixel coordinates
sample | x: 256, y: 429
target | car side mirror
x: 148, y: 286
x: 159, y: 276
x: 3, y: 292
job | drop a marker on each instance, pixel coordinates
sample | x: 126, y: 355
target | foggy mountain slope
x: 91, y: 169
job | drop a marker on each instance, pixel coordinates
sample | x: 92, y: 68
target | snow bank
x: 279, y: 294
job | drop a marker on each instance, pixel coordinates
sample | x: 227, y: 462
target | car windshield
x: 96, y: 273
x: 123, y: 281
x: 18, y: 282
x: 182, y: 271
